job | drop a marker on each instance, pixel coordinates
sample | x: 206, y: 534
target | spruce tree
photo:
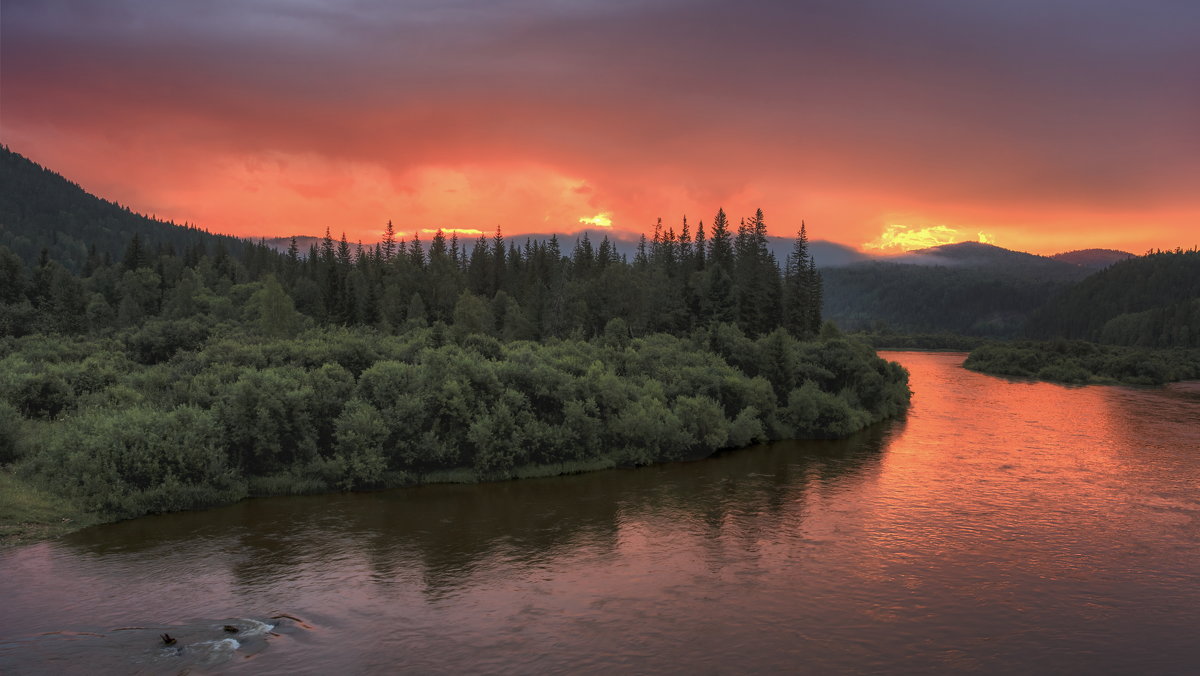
x: 815, y: 294
x: 135, y: 254
x: 389, y: 241
x: 720, y: 247
x: 797, y: 287
x: 343, y: 252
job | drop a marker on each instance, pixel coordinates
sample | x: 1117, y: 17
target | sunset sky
x: 1035, y: 125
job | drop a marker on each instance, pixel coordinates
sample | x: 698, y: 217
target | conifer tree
x: 327, y: 247
x: 720, y: 247
x: 389, y: 241
x: 416, y: 252
x: 135, y: 254
x: 815, y: 295
x: 797, y: 287
x: 343, y: 252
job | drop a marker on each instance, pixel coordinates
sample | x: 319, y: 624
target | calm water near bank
x: 1000, y: 527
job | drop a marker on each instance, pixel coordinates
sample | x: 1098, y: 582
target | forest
x: 184, y: 371
x: 1135, y: 322
x: 1148, y: 301
x: 965, y: 289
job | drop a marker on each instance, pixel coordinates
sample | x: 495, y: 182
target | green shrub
x: 136, y: 461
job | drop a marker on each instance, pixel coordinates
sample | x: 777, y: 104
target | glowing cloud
x: 907, y: 238
x: 602, y: 220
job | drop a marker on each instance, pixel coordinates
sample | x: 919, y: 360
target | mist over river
x: 1000, y: 527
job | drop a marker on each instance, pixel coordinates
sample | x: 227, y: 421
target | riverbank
x: 28, y: 514
x: 1077, y: 362
x: 924, y: 342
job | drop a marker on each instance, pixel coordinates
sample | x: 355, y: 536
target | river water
x: 1000, y: 527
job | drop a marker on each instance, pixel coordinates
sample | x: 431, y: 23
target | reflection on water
x: 1001, y: 526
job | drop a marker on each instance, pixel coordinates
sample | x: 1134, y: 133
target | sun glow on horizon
x: 898, y: 237
x: 600, y: 220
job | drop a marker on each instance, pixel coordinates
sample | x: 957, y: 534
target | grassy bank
x: 933, y: 342
x: 28, y: 514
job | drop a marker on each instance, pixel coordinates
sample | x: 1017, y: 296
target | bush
x: 43, y: 395
x: 158, y: 340
x: 360, y: 436
x: 136, y: 461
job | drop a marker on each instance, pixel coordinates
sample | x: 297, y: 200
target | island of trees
x: 189, y: 370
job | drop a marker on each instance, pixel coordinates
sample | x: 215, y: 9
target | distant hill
x: 39, y: 209
x: 968, y: 288
x: 303, y: 242
x: 1093, y: 258
x: 1150, y: 301
x: 976, y: 254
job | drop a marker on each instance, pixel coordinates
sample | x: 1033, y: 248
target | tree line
x: 531, y: 290
x: 1079, y: 362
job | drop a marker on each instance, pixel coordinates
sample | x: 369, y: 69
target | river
x: 999, y: 527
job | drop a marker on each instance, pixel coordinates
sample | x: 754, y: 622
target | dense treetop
x: 339, y: 408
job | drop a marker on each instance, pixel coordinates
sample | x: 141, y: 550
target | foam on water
x: 215, y: 651
x: 248, y: 628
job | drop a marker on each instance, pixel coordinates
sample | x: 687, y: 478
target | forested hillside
x: 1097, y: 259
x: 43, y: 214
x: 1149, y: 301
x: 969, y: 288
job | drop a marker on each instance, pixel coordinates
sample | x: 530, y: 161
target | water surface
x: 1000, y: 527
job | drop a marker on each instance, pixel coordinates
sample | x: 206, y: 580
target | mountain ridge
x: 42, y: 210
